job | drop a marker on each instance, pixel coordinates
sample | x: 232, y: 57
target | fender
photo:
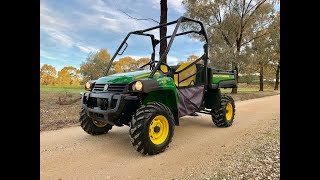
x: 162, y: 90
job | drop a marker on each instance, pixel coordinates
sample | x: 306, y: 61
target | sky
x: 71, y: 29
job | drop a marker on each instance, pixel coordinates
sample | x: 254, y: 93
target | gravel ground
x: 249, y: 149
x: 259, y: 159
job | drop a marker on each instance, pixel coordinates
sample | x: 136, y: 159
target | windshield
x: 134, y: 55
x: 125, y: 60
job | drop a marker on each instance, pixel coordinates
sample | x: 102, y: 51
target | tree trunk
x: 276, y: 86
x: 163, y: 30
x: 235, y: 90
x: 261, y: 78
x: 235, y: 65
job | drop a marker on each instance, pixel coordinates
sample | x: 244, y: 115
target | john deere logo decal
x: 221, y: 76
x: 105, y: 88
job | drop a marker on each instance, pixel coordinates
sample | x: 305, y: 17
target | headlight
x: 89, y: 85
x: 137, y: 86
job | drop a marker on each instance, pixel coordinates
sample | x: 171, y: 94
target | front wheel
x: 152, y: 128
x: 223, y: 117
x: 92, y: 126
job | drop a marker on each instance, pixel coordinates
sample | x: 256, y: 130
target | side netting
x: 194, y: 94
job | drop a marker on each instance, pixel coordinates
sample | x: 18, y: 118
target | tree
x: 68, y: 76
x: 143, y: 61
x: 163, y: 30
x: 275, y: 42
x: 76, y: 78
x: 94, y: 65
x: 47, y: 74
x: 260, y: 59
x: 265, y: 51
x: 276, y: 86
x: 125, y: 64
x: 192, y: 57
x: 231, y: 25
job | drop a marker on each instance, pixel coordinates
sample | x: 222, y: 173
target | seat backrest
x: 184, y: 74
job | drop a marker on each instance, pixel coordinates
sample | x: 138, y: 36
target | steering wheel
x: 152, y: 62
x: 165, y: 70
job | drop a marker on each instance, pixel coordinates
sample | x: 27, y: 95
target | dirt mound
x: 67, y: 99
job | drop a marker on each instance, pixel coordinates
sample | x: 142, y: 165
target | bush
x: 249, y: 79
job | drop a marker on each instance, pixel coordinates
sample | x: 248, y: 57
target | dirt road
x: 196, y: 152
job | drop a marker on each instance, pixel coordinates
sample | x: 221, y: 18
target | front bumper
x: 105, y: 107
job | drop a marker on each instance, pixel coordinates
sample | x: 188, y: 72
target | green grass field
x: 78, y: 89
x: 61, y: 89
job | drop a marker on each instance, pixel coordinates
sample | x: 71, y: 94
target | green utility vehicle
x: 151, y: 101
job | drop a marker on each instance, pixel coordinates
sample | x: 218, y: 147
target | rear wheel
x: 152, y: 128
x: 92, y: 126
x: 223, y: 117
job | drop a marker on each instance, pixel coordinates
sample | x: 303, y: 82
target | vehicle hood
x: 126, y: 77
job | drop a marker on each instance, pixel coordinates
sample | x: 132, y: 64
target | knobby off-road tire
x: 91, y: 126
x: 223, y: 117
x: 151, y: 128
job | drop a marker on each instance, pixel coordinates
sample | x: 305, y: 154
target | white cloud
x: 136, y: 57
x: 156, y: 33
x: 56, y: 27
x: 61, y: 38
x: 171, y: 60
x: 68, y: 32
x: 87, y: 49
x: 48, y: 18
x: 46, y: 54
x: 109, y: 18
x: 53, y: 26
x: 155, y: 4
x: 172, y: 4
x: 177, y: 5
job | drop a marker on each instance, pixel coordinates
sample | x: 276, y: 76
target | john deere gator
x: 151, y: 100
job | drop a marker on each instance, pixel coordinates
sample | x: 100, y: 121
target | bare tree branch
x: 243, y: 7
x: 219, y: 15
x: 236, y: 9
x: 146, y: 19
x: 256, y: 69
x: 257, y: 7
x: 255, y: 38
x: 246, y: 11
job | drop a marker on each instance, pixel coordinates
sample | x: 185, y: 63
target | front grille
x: 114, y: 87
x: 98, y: 87
x: 117, y: 87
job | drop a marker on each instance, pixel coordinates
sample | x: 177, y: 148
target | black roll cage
x: 155, y: 42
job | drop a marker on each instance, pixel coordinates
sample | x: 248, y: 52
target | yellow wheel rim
x: 99, y: 123
x: 229, y: 111
x: 158, y: 129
